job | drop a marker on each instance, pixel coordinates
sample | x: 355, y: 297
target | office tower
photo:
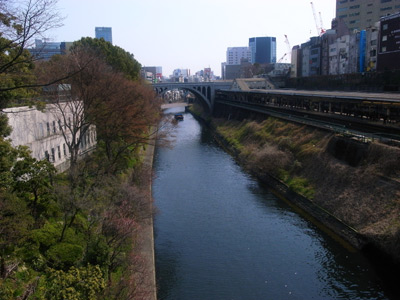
x: 263, y: 49
x: 361, y: 14
x: 105, y: 33
x: 45, y: 50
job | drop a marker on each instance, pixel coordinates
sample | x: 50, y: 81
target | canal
x: 220, y: 235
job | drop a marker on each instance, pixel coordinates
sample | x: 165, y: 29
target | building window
x: 354, y: 6
x: 383, y: 49
x: 54, y: 127
x: 342, y: 1
x: 46, y: 155
x: 48, y: 128
x: 65, y: 150
x: 53, y: 155
x: 41, y: 130
x: 385, y: 1
x: 384, y: 38
x: 59, y: 125
x: 59, y: 152
x: 386, y: 8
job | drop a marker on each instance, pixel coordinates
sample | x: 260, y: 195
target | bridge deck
x: 386, y: 97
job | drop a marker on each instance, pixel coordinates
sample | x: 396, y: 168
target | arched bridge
x: 205, y: 91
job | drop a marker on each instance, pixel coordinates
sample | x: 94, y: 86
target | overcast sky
x: 191, y: 34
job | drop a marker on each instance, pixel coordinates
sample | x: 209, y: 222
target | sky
x: 191, y: 34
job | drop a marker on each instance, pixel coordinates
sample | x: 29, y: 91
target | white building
x: 42, y: 133
x: 371, y: 48
x: 339, y: 55
x: 235, y: 54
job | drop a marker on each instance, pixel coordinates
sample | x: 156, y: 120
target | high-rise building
x: 263, y: 50
x: 235, y: 54
x: 105, y: 33
x: 389, y: 40
x: 45, y: 49
x: 361, y: 14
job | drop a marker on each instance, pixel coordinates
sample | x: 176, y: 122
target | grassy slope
x: 366, y: 197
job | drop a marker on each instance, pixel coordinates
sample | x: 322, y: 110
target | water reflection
x: 221, y: 235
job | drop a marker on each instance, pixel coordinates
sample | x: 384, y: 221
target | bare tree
x: 122, y: 110
x: 20, y: 23
x: 72, y: 99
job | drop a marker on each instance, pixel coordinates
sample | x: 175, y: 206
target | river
x: 220, y: 235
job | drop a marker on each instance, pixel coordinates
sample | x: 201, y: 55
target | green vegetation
x: 73, y: 235
x: 20, y: 23
x: 121, y: 60
x: 274, y: 147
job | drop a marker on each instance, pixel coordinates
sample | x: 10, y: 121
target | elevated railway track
x: 364, y: 115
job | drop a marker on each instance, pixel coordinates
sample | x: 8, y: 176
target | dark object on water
x: 179, y: 117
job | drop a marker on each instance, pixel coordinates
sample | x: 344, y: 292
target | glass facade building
x: 44, y: 49
x: 263, y: 50
x: 105, y: 33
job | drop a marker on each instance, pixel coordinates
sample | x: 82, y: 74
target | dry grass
x: 366, y: 197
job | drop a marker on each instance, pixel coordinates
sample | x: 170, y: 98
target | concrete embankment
x: 145, y: 278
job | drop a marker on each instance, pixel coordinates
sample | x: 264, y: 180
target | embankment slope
x: 357, y: 183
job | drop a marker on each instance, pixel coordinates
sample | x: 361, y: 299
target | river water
x: 220, y: 235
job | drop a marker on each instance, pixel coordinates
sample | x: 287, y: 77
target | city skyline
x: 185, y: 34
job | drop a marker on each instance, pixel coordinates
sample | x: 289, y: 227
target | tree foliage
x: 32, y: 182
x: 119, y: 59
x: 75, y: 284
x: 122, y: 110
x: 20, y: 23
x: 65, y: 236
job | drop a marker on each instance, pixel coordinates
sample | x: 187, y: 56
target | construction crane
x: 321, y: 24
x: 289, y: 50
x: 320, y: 29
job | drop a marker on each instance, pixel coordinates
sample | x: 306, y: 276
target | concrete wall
x: 42, y: 131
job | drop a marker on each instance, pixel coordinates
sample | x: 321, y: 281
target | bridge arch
x: 204, y: 91
x: 199, y: 91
